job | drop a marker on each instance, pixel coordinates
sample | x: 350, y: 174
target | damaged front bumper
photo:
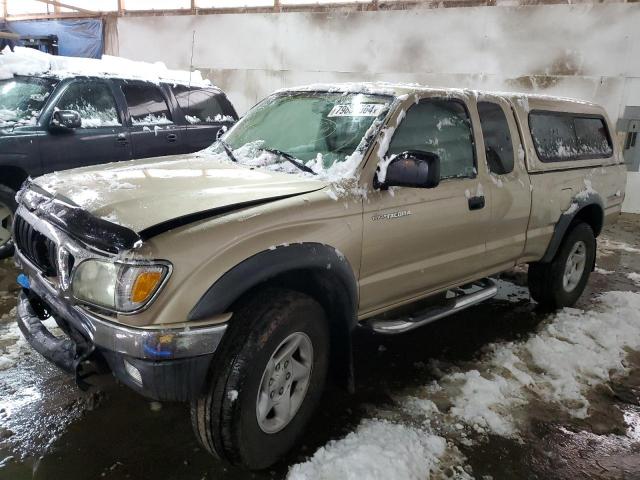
x: 160, y: 362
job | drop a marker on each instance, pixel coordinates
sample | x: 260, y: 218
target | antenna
x: 193, y: 43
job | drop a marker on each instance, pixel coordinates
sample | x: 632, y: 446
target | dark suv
x: 49, y: 124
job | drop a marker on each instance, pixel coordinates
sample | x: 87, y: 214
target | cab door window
x: 498, y: 144
x: 93, y: 101
x: 147, y: 105
x: 442, y: 127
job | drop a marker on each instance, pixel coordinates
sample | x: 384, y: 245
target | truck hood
x: 162, y: 193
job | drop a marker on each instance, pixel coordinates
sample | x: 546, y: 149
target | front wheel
x: 266, y: 380
x: 8, y: 208
x: 560, y: 283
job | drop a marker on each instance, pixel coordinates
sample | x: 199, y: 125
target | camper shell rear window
x: 564, y: 137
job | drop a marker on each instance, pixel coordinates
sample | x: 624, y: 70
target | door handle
x: 476, y: 203
x: 122, y: 139
x: 172, y: 137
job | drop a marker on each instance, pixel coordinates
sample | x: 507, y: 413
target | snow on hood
x: 140, y: 194
x: 27, y: 61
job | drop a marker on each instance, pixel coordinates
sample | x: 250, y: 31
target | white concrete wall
x: 588, y: 51
x: 585, y: 51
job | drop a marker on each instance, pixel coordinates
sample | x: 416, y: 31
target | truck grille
x: 39, y: 249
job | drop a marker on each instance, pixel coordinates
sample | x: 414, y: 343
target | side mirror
x: 65, y: 120
x: 411, y: 169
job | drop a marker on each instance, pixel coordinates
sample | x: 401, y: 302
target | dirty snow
x: 606, y: 246
x: 587, y: 191
x: 377, y: 449
x: 571, y: 353
x: 634, y: 277
x: 603, y: 271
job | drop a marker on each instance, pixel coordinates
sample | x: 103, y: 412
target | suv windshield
x: 22, y: 99
x: 314, y: 129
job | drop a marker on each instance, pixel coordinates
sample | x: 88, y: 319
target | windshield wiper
x: 290, y: 158
x: 228, y: 150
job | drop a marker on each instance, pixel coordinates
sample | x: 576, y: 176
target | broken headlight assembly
x: 118, y: 286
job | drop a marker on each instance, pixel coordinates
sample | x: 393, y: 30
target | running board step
x: 465, y: 297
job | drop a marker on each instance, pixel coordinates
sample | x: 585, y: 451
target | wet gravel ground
x: 50, y: 430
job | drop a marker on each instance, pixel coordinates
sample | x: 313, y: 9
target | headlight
x: 117, y: 286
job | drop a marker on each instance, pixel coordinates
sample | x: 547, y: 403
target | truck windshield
x: 313, y: 129
x: 22, y: 99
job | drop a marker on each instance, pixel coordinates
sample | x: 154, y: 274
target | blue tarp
x: 3, y: 41
x: 76, y: 38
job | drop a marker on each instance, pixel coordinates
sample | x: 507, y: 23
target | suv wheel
x: 560, y: 283
x: 8, y: 207
x: 266, y: 380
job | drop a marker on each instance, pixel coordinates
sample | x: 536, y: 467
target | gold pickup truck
x: 233, y: 278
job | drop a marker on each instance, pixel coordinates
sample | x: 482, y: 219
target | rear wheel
x: 266, y: 380
x: 560, y: 283
x: 8, y: 208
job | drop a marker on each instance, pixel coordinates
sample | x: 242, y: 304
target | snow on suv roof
x: 27, y: 61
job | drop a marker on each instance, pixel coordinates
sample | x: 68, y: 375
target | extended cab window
x: 498, y: 144
x: 561, y: 137
x: 93, y: 101
x: 147, y: 105
x: 200, y: 105
x: 441, y: 127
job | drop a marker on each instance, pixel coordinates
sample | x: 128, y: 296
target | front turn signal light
x: 145, y: 285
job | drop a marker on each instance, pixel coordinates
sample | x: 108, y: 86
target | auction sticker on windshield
x: 357, y: 110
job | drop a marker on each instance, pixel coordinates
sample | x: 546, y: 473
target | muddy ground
x: 50, y: 430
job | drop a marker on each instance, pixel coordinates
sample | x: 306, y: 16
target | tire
x: 547, y: 283
x: 7, y: 203
x: 225, y: 416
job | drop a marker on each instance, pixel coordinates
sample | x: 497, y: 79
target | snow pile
x: 571, y: 354
x: 607, y: 246
x: 634, y: 277
x: 377, y: 449
x: 27, y: 61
